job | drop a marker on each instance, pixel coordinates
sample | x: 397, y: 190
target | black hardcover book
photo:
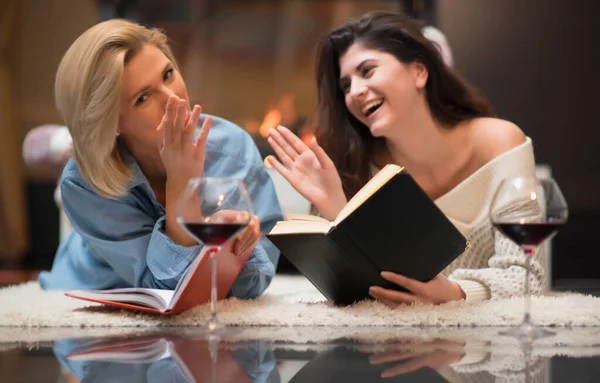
x: 389, y: 225
x: 344, y: 364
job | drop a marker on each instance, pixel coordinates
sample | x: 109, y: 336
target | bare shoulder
x: 492, y: 136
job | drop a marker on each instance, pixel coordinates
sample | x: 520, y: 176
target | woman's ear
x: 420, y: 74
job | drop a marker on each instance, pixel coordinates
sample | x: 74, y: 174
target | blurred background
x: 252, y: 62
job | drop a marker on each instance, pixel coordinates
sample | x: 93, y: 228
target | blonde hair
x: 88, y: 96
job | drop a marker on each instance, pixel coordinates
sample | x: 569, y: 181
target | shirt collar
x: 138, y: 176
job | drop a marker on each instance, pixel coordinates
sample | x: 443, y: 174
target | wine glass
x: 214, y: 211
x: 528, y: 211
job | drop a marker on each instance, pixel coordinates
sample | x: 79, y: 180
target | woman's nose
x: 165, y: 93
x: 357, y: 89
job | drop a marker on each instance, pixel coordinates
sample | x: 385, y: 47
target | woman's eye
x: 367, y: 71
x: 143, y: 98
x: 168, y: 74
x: 345, y: 87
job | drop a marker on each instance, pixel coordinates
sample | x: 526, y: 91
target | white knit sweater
x: 494, y: 266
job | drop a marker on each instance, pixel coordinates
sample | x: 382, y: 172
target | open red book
x: 193, y: 288
x: 193, y: 357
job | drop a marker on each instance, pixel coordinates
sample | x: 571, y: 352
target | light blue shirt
x: 255, y: 359
x: 122, y: 242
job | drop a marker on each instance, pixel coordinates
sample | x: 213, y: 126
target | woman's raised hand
x: 182, y: 158
x: 309, y: 170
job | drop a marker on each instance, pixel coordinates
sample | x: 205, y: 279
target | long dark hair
x: 346, y: 140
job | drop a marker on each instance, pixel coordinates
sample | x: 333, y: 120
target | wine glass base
x: 527, y: 332
x: 214, y: 326
x: 214, y: 331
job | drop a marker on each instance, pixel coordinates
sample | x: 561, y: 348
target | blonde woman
x: 126, y: 105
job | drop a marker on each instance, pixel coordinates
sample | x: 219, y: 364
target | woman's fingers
x: 404, y: 368
x: 250, y: 235
x: 398, y: 297
x: 283, y: 156
x: 284, y: 144
x: 180, y: 116
x: 294, y: 141
x: 392, y: 356
x: 200, y: 148
x: 160, y: 130
x: 168, y: 119
x: 240, y: 241
x: 322, y: 157
x: 285, y: 172
x: 190, y: 127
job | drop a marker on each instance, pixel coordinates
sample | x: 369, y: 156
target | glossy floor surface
x: 269, y: 354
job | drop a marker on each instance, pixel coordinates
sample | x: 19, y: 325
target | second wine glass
x: 214, y: 211
x: 528, y: 211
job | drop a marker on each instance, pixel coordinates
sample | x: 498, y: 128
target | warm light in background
x: 272, y: 119
x: 252, y: 127
x: 306, y: 138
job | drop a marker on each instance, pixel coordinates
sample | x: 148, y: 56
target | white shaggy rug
x: 292, y: 301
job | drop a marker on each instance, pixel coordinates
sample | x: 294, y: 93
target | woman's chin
x: 378, y: 130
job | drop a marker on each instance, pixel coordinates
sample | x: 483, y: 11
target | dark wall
x: 535, y: 60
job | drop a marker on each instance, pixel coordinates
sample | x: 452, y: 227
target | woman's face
x: 149, y: 79
x: 380, y: 91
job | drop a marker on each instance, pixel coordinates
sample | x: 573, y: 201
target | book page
x: 143, y: 354
x: 155, y: 298
x: 374, y: 184
x: 299, y: 227
x: 305, y: 217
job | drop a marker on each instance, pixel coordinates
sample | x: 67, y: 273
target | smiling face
x: 149, y: 78
x: 379, y: 90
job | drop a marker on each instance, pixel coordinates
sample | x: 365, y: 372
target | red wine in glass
x: 528, y: 235
x: 214, y: 234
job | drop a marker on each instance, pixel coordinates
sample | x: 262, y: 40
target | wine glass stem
x: 213, y: 284
x: 213, y: 347
x: 528, y: 254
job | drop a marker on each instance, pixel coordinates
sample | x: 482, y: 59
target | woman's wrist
x: 332, y: 207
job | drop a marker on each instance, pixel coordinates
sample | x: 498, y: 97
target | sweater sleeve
x: 497, y: 367
x: 505, y: 276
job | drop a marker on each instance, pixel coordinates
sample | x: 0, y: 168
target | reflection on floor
x: 271, y: 355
